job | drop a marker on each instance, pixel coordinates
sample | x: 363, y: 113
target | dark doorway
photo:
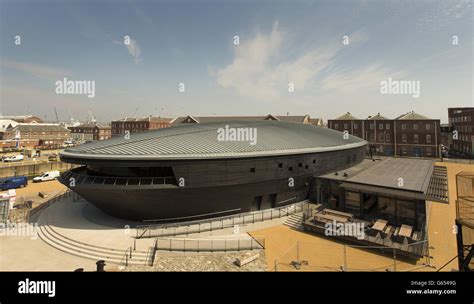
x: 417, y: 152
x: 273, y: 198
x: 257, y: 203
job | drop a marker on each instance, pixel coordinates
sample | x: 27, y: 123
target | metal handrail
x: 297, y: 207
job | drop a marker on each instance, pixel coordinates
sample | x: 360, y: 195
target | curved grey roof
x: 200, y: 141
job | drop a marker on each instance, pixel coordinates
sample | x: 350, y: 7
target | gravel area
x: 203, y: 262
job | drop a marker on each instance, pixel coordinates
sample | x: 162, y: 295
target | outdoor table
x: 405, y: 231
x: 380, y: 225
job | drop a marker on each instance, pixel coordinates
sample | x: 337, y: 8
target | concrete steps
x: 295, y: 221
x: 67, y: 245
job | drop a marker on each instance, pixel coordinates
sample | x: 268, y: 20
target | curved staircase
x: 52, y: 237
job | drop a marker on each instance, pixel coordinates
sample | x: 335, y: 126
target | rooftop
x: 412, y: 116
x: 149, y: 118
x: 415, y: 174
x: 206, y: 119
x: 198, y: 141
x: 347, y: 116
x: 39, y: 127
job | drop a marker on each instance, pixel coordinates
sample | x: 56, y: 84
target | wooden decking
x: 379, y: 234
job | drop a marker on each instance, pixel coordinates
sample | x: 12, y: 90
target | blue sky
x: 191, y: 42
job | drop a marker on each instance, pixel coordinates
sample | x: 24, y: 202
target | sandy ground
x: 283, y: 244
x: 30, y: 192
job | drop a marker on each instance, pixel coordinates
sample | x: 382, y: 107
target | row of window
x: 463, y: 148
x: 464, y: 128
x: 415, y: 126
x: 466, y: 138
x: 416, y: 138
x: 404, y: 137
x: 460, y: 119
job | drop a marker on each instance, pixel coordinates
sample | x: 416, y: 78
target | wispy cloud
x: 37, y: 70
x: 133, y: 49
x: 261, y: 71
x: 368, y: 77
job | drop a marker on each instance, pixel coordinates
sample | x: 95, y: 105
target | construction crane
x: 93, y: 120
x: 135, y: 114
x: 56, y: 113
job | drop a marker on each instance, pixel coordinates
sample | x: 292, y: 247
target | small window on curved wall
x: 280, y: 165
x: 252, y: 170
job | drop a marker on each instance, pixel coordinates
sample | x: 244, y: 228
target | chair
x: 395, y: 234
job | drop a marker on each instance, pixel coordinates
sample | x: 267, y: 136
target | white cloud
x: 37, y: 70
x: 261, y: 71
x: 133, y: 49
x: 368, y: 77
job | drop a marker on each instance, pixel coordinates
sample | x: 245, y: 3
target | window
x: 387, y: 126
x: 346, y: 126
x: 314, y: 161
x: 290, y: 169
x: 404, y: 138
x: 371, y: 137
x: 356, y: 126
x: 428, y: 150
x: 415, y: 126
x: 387, y: 137
x: 371, y: 126
x: 380, y: 126
x: 280, y: 165
x: 428, y: 127
x: 306, y: 166
x: 300, y: 165
x: 252, y: 170
x: 415, y: 138
x: 381, y: 137
x: 336, y: 126
x: 404, y: 126
x: 428, y: 138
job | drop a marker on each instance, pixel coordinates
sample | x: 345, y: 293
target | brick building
x: 35, y: 135
x: 410, y: 134
x: 89, y: 132
x: 136, y: 125
x: 461, y: 121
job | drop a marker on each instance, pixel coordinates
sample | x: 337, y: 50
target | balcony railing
x: 82, y: 178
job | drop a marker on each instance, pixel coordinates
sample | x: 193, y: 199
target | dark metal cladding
x: 185, y: 172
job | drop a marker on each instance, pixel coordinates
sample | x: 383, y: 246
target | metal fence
x: 49, y: 202
x: 209, y: 245
x: 305, y: 256
x: 185, y: 228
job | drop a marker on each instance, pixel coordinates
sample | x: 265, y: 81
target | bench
x: 339, y: 213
